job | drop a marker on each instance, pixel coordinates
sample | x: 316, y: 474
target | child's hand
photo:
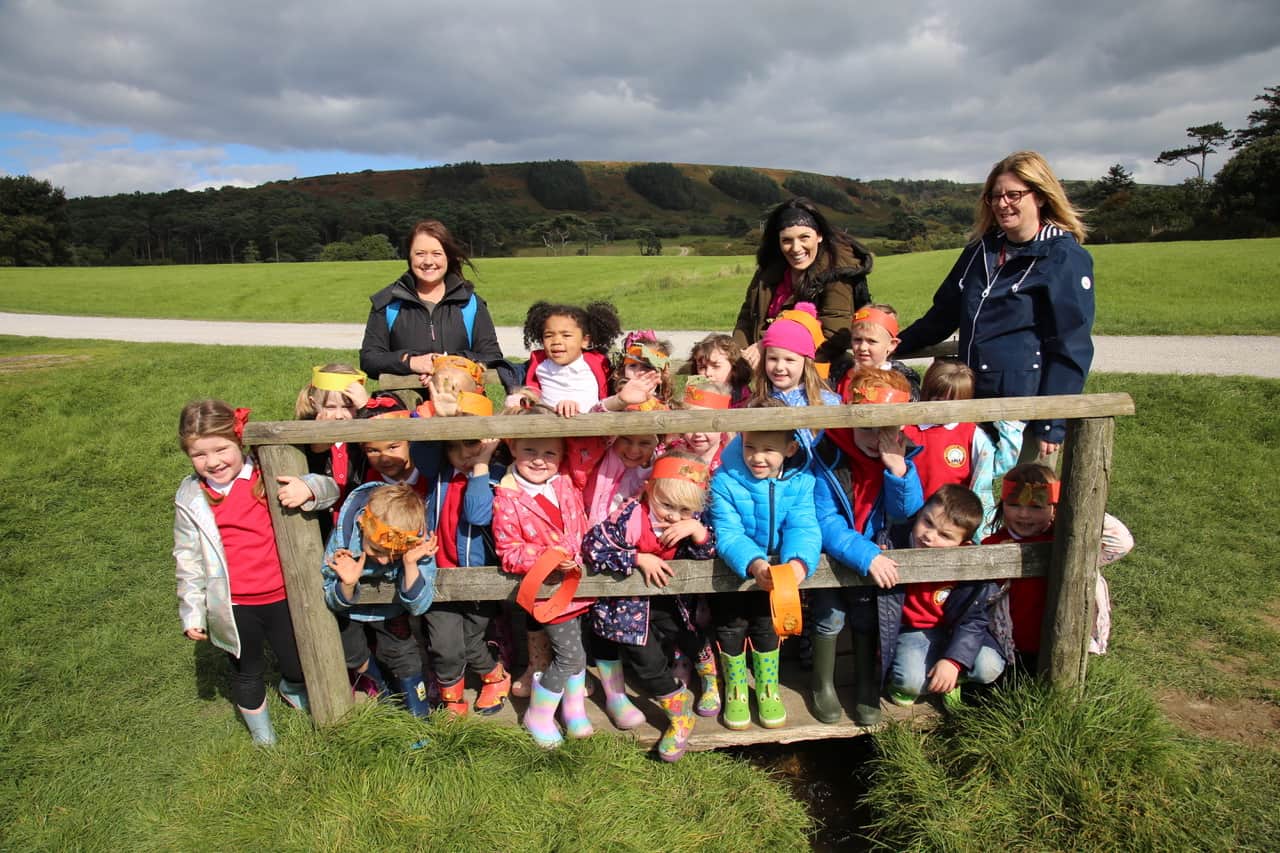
x: 752, y: 355
x: 293, y: 492
x: 567, y: 408
x: 426, y: 548
x: 357, y: 395
x: 1048, y: 448
x: 800, y: 570
x: 893, y: 450
x: 444, y: 399
x: 655, y: 569
x: 196, y: 634
x: 884, y: 572
x: 484, y: 453
x: 347, y: 566
x: 635, y: 391
x: 684, y: 528
x: 944, y: 676
x: 759, y: 570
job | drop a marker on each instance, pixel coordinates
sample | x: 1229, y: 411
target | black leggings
x: 739, y: 615
x: 650, y: 662
x: 259, y: 624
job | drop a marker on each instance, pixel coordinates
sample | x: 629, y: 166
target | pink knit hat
x: 793, y: 330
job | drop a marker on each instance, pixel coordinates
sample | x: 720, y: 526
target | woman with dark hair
x: 1021, y: 295
x: 431, y: 310
x: 803, y: 259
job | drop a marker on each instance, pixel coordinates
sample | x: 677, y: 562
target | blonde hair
x: 762, y: 388
x: 947, y: 379
x: 312, y: 399
x: 398, y: 506
x: 1032, y: 170
x: 677, y: 492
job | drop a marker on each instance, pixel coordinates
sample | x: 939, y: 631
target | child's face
x: 215, y: 458
x: 537, y: 459
x: 716, y: 366
x: 664, y: 508
x: 563, y: 339
x: 867, y: 439
x: 335, y: 407
x: 389, y: 458
x: 1026, y: 521
x: 633, y: 370
x: 462, y: 454
x: 765, y: 452
x: 934, y: 530
x: 871, y: 345
x: 635, y: 451
x: 784, y: 368
x: 381, y: 557
x: 701, y: 443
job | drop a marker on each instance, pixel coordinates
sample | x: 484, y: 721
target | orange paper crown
x: 878, y: 394
x: 696, y: 393
x: 378, y: 533
x: 653, y: 404
x: 884, y: 320
x: 648, y: 355
x: 675, y: 468
x: 1030, y: 494
x: 475, y: 371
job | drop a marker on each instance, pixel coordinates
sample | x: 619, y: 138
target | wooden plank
x: 1070, y: 606
x: 487, y: 583
x: 732, y: 420
x: 301, y: 555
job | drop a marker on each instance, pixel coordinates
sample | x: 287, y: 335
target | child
x: 381, y: 537
x: 870, y: 484
x: 230, y: 583
x: 570, y: 372
x: 643, y: 355
x: 718, y: 358
x: 664, y: 523
x: 943, y: 634
x: 459, y: 511
x: 700, y: 393
x: 874, y: 341
x: 335, y: 393
x: 456, y: 387
x: 1028, y: 506
x: 787, y: 372
x: 396, y: 461
x: 958, y: 453
x: 537, y: 509
x: 761, y: 502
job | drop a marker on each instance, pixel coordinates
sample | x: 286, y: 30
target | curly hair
x: 598, y: 320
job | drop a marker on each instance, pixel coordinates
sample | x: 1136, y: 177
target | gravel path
x: 1220, y: 354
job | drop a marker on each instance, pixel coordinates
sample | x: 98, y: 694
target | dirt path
x: 1222, y: 355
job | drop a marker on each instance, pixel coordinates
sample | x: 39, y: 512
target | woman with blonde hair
x: 1021, y: 294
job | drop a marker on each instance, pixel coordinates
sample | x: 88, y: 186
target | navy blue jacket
x: 964, y: 617
x: 1025, y: 327
x: 473, y: 536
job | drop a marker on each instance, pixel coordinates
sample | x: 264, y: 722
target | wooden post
x: 301, y: 555
x: 1073, y: 569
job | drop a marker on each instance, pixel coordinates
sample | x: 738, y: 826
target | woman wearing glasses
x: 1021, y: 294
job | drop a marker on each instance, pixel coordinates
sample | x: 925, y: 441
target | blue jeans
x: 919, y: 649
x: 830, y: 608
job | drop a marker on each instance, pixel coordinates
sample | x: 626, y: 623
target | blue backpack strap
x: 469, y: 318
x: 393, y: 311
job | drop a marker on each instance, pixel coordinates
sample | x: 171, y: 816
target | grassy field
x: 118, y: 732
x: 1226, y: 287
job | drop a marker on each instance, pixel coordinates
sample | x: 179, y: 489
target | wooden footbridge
x: 1069, y: 561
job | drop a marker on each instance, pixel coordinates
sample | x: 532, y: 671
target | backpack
x: 468, y: 316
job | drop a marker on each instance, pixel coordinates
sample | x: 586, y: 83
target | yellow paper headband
x: 322, y: 381
x: 383, y: 536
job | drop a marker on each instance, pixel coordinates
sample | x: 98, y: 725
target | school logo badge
x: 940, y: 596
x: 955, y: 455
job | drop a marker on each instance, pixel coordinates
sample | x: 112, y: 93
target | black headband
x: 797, y: 216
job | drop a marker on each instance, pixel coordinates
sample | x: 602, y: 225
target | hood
x: 456, y: 290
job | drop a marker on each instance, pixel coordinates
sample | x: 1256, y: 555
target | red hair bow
x: 242, y: 418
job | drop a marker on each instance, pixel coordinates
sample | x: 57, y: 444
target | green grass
x: 118, y: 733
x: 1195, y: 288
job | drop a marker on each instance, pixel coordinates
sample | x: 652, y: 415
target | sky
x: 109, y: 96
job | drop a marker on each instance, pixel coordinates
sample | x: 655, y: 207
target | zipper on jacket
x: 771, y: 525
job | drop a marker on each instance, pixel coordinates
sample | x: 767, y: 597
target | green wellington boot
x: 773, y: 714
x: 737, y: 709
x: 826, y: 706
x: 866, y: 680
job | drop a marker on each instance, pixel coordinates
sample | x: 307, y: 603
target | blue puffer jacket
x: 346, y: 534
x: 1026, y: 327
x: 900, y: 498
x: 474, y: 537
x: 754, y: 518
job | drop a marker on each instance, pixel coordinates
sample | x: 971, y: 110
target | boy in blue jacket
x: 381, y: 537
x: 761, y: 503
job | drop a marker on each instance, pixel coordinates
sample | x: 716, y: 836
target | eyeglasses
x: 1011, y: 196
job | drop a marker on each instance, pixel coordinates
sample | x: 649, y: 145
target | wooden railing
x: 1070, y: 561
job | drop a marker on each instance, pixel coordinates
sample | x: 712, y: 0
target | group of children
x: 396, y: 513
